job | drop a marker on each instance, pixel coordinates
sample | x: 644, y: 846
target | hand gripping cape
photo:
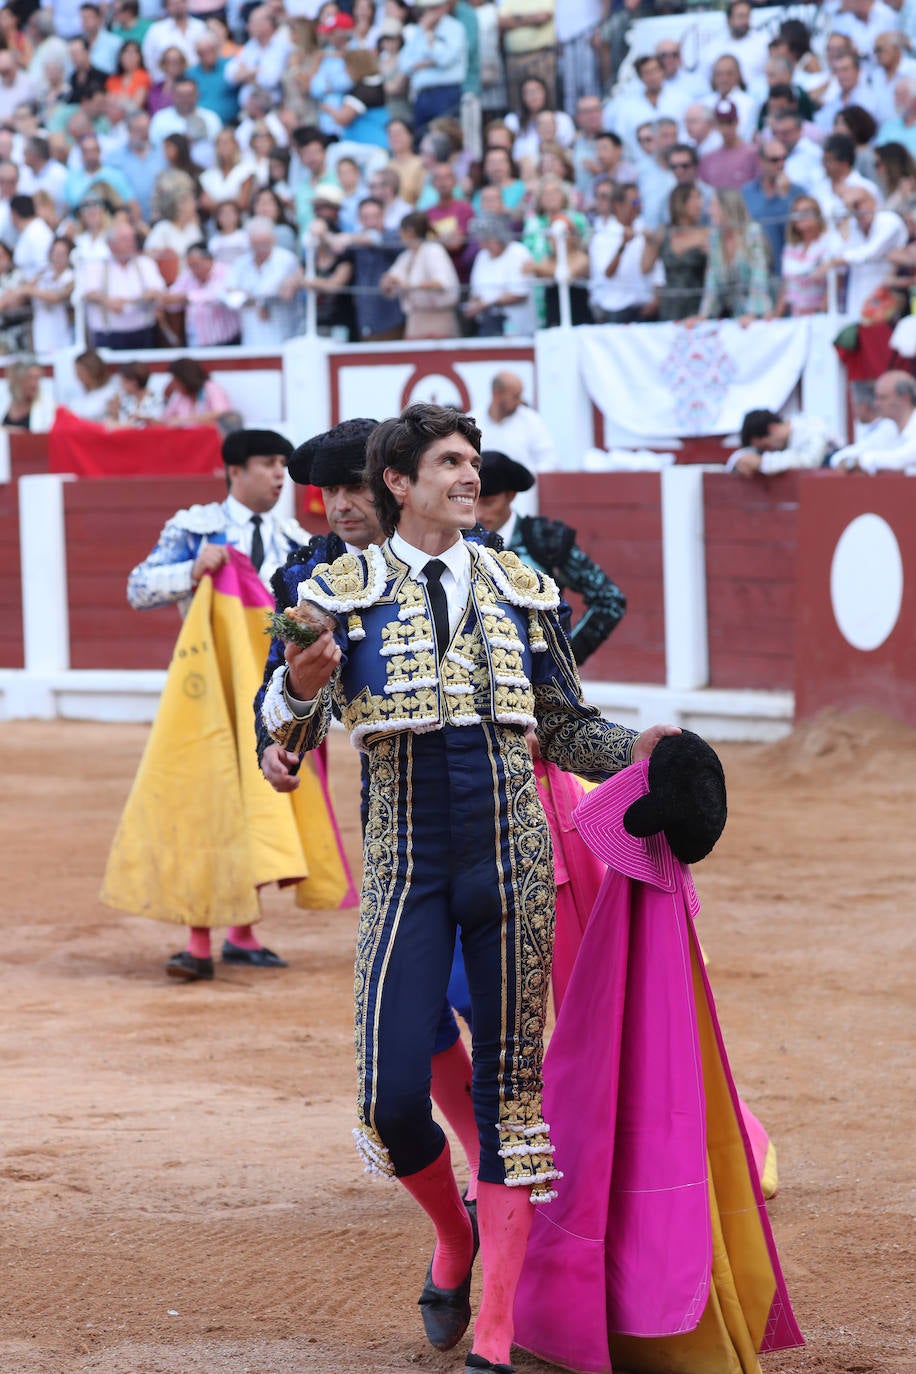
x: 657, y: 1253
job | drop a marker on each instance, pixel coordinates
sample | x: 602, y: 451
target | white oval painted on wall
x: 866, y: 582
x: 435, y: 389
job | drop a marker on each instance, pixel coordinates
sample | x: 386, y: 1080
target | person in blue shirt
x: 214, y: 91
x: 769, y: 197
x: 139, y: 161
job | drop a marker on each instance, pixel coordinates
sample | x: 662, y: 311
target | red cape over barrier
x: 91, y: 450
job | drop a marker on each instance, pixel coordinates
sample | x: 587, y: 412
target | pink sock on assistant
x: 199, y: 942
x: 243, y: 937
x: 451, y: 1092
x: 437, y: 1193
x: 505, y: 1216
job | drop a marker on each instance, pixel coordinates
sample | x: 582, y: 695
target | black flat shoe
x: 255, y: 958
x: 446, y: 1312
x: 189, y: 968
x: 474, y: 1363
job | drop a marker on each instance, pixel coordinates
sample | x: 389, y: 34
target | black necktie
x: 257, y: 543
x: 439, y: 603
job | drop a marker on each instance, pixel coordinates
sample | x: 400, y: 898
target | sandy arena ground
x: 180, y: 1194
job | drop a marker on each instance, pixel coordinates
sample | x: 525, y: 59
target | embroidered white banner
x: 652, y: 380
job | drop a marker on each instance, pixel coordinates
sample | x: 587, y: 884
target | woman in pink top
x: 192, y: 397
x: 806, y: 251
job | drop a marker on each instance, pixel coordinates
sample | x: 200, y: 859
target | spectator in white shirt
x: 104, y: 46
x: 627, y: 112
x: 33, y: 237
x: 121, y: 293
x: 262, y: 285
x: 895, y: 400
x: 15, y: 86
x: 862, y: 21
x: 872, y: 235
x: 838, y: 160
x: 891, y: 64
x: 681, y: 87
x: 47, y: 173
x: 852, y: 88
x: 622, y: 292
x: 728, y: 83
x: 177, y: 30
x: 749, y: 47
x: 771, y: 444
x: 804, y: 164
x: 262, y: 60
x: 501, y: 288
x: 872, y: 429
x: 513, y: 427
x: 199, y: 126
x: 700, y: 129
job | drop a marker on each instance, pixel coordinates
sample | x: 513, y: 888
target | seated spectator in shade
x: 769, y: 197
x: 895, y: 400
x: 808, y: 249
x: 867, y: 237
x: 231, y: 177
x: 770, y: 444
x: 199, y: 290
x: 192, y: 397
x: 172, y: 235
x: 424, y: 280
x: 263, y: 286
x: 624, y: 274
x: 132, y: 404
x: 737, y: 284
x: 50, y: 293
x: 96, y: 386
x: 500, y: 301
x: 735, y: 163
x: 31, y: 404
x: 682, y: 247
x: 122, y: 294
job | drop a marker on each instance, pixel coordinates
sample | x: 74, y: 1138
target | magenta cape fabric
x: 626, y: 1247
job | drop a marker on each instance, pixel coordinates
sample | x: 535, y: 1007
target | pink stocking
x: 451, y: 1092
x: 199, y: 942
x: 437, y: 1193
x: 243, y: 937
x: 504, y: 1216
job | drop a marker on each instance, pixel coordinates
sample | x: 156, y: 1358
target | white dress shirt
x: 523, y: 435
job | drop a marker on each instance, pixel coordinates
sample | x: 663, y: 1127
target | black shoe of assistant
x: 255, y: 958
x: 189, y: 968
x: 474, y: 1363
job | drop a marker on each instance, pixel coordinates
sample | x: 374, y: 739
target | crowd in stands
x: 183, y: 173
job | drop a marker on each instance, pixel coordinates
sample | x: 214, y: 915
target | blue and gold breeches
x: 455, y: 837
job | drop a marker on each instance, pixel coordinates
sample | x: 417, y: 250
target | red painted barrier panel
x: 28, y: 454
x: 751, y: 537
x: 856, y: 595
x: 11, y: 648
x: 111, y: 525
x: 617, y: 518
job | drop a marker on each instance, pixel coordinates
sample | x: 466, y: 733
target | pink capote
x: 627, y: 1247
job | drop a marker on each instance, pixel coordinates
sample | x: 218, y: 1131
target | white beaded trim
x: 377, y: 570
x: 275, y: 710
x: 550, y: 595
x: 407, y: 684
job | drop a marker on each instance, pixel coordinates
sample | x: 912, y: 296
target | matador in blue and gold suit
x: 455, y: 836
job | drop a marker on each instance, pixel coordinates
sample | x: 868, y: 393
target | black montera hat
x: 686, y: 797
x: 336, y: 458
x: 243, y: 444
x: 499, y: 472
